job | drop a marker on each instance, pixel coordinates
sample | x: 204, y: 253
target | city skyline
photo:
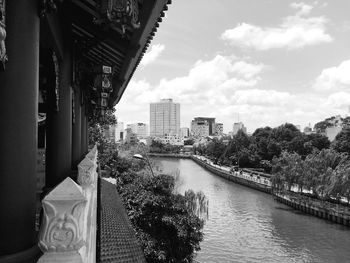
x: 266, y: 63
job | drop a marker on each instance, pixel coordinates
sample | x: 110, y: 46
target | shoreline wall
x: 341, y: 215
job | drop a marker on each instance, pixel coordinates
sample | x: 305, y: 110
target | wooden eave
x: 107, y: 46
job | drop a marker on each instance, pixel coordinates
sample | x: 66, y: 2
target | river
x: 246, y: 225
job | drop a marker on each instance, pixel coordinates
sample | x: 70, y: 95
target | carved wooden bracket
x: 3, y: 55
x: 61, y: 232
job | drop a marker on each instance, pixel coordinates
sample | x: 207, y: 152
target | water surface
x: 246, y: 225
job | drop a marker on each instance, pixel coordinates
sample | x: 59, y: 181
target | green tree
x: 342, y: 141
x: 166, y: 223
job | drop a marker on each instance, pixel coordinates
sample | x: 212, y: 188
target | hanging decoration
x: 57, y: 80
x: 121, y: 14
x: 3, y: 55
x: 103, y: 86
x: 48, y: 6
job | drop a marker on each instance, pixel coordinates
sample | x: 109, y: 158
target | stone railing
x: 68, y: 231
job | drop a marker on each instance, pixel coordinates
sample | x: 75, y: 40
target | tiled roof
x: 116, y: 238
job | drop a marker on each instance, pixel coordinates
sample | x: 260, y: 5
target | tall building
x: 239, y: 126
x: 219, y: 129
x: 140, y: 129
x: 210, y: 121
x: 164, y: 118
x: 200, y: 128
x: 184, y: 132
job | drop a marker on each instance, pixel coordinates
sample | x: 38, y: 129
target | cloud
x: 152, y: 54
x: 304, y: 9
x: 334, y: 78
x: 294, y: 32
x: 226, y: 86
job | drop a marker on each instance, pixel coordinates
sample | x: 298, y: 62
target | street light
x: 140, y: 157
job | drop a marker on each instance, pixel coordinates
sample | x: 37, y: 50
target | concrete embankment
x: 250, y: 180
x: 335, y: 213
x: 167, y: 155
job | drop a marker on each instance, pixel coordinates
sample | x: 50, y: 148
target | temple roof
x: 117, y: 47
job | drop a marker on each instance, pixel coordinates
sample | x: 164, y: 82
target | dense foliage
x: 165, y: 222
x: 158, y: 147
x: 325, y: 173
x: 258, y: 150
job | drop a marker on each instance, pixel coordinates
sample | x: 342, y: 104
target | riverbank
x: 170, y: 155
x: 252, y: 180
x: 259, y: 181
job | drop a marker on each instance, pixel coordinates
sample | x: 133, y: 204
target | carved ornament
x: 62, y: 226
x: 3, y: 55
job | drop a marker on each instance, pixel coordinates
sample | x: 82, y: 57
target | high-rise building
x: 210, y: 121
x: 199, y: 128
x: 219, y: 129
x: 239, y: 126
x: 164, y: 118
x: 140, y: 129
x: 184, y: 132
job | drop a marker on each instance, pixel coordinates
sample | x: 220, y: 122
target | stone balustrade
x: 68, y: 230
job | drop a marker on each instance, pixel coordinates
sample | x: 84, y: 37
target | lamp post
x: 140, y: 157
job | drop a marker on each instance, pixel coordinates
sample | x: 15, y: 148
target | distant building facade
x: 332, y: 132
x: 219, y: 129
x: 200, y: 128
x: 164, y: 118
x: 140, y: 129
x: 185, y: 132
x: 130, y: 137
x: 173, y: 139
x: 210, y: 121
x: 239, y: 126
x: 119, y: 132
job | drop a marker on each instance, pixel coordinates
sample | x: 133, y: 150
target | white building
x: 140, y: 129
x: 200, y: 128
x: 119, y: 131
x: 185, y: 132
x: 164, y: 118
x: 239, y: 126
x: 172, y: 139
x: 219, y: 129
x: 332, y: 132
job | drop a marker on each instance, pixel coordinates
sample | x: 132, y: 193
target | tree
x: 342, y: 141
x: 166, y: 223
x: 215, y: 148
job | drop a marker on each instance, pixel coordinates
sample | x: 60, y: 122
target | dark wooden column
x: 59, y: 127
x: 84, y: 131
x: 18, y: 134
x: 76, y: 132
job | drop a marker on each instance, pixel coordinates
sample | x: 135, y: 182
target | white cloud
x: 334, y: 78
x: 303, y: 8
x: 152, y: 54
x: 338, y: 100
x: 294, y: 32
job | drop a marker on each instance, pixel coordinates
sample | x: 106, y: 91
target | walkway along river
x: 246, y: 225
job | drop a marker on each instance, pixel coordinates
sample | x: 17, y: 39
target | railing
x: 68, y: 231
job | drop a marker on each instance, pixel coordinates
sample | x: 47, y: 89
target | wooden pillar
x: 18, y: 134
x: 76, y: 132
x: 84, y: 131
x: 59, y: 119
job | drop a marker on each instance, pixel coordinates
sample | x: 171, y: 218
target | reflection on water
x: 246, y: 225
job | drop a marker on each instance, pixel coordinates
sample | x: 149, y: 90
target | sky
x: 261, y: 62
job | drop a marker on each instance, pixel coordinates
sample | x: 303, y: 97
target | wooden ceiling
x: 102, y: 44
